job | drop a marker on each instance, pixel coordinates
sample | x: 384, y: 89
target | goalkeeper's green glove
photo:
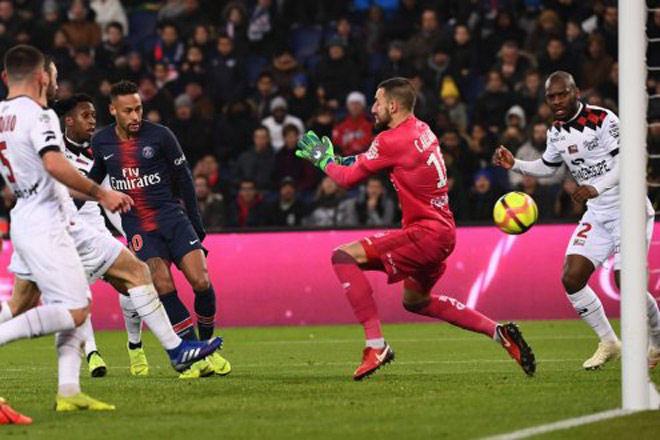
x: 319, y: 152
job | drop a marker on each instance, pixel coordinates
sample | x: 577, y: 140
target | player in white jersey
x: 586, y: 139
x: 36, y: 170
x: 102, y: 255
x: 95, y: 245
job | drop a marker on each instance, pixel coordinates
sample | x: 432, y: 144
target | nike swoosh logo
x: 381, y: 356
x: 108, y: 157
x: 194, y: 241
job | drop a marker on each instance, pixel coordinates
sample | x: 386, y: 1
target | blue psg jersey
x: 151, y: 168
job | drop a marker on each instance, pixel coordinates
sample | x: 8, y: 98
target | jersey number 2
x: 5, y: 162
x: 435, y: 159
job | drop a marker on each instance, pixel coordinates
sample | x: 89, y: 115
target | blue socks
x: 179, y: 316
x: 205, y: 311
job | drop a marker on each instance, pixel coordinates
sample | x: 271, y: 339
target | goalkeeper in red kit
x: 410, y: 153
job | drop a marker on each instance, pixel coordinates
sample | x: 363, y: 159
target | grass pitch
x: 295, y: 383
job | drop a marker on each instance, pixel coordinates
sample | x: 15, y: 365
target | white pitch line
x: 560, y: 425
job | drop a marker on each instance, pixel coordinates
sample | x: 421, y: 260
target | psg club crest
x: 148, y: 152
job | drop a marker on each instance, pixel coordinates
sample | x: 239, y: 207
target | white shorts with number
x: 598, y: 236
x: 97, y: 251
x: 49, y: 258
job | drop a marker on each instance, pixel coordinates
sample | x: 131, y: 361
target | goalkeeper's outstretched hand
x: 319, y: 152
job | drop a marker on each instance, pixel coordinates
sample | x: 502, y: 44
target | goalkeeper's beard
x: 382, y: 123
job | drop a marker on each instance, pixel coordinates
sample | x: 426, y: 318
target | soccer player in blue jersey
x: 145, y: 161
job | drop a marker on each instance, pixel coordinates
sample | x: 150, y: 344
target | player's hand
x: 503, y: 158
x: 115, y: 201
x: 584, y: 193
x: 319, y: 152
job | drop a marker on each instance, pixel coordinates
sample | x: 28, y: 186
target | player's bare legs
x: 653, y: 315
x: 132, y: 275
x: 194, y: 268
x: 25, y: 295
x: 575, y: 275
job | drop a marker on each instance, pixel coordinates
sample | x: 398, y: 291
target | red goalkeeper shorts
x: 415, y: 254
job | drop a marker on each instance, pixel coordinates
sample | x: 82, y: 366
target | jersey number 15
x: 435, y: 159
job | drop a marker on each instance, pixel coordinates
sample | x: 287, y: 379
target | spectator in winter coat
x: 353, y: 135
x: 278, y: 119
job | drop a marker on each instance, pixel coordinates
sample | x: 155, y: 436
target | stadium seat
x: 305, y: 42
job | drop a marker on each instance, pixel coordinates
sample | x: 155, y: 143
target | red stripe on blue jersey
x: 129, y: 155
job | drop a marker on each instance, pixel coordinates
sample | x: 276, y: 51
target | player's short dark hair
x: 122, y: 88
x: 560, y: 75
x: 64, y: 107
x: 23, y: 60
x: 400, y: 89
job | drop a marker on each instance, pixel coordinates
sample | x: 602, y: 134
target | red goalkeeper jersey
x: 410, y: 154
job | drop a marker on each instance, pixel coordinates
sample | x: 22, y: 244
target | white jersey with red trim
x: 27, y: 131
x: 588, y: 144
x: 80, y: 155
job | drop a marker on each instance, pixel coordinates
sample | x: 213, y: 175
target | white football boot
x: 607, y: 351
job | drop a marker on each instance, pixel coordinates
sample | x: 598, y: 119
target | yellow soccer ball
x: 515, y: 212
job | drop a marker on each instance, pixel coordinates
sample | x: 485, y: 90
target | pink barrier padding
x: 285, y: 278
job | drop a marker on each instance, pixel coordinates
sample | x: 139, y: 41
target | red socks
x: 456, y: 313
x: 359, y: 293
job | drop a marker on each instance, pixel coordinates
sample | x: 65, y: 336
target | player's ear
x: 68, y: 121
x: 113, y: 110
x: 4, y: 77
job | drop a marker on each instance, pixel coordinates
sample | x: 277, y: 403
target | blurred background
x: 239, y: 81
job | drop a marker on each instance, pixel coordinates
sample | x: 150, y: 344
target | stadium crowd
x: 239, y: 81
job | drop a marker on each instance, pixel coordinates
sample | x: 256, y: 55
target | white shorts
x: 49, y: 258
x: 598, y: 236
x: 97, y: 250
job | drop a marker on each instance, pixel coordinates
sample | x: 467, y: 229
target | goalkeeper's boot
x: 96, y: 364
x: 607, y: 351
x: 10, y: 417
x: 513, y: 342
x: 372, y: 360
x: 189, y: 352
x: 221, y: 366
x: 138, y: 361
x: 653, y: 356
x: 80, y: 402
x: 202, y: 368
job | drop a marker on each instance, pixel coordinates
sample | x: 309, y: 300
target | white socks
x: 5, y: 312
x: 131, y: 319
x: 376, y: 343
x: 590, y: 309
x: 653, y: 315
x: 87, y: 333
x: 68, y: 345
x: 148, y: 306
x: 37, y: 322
